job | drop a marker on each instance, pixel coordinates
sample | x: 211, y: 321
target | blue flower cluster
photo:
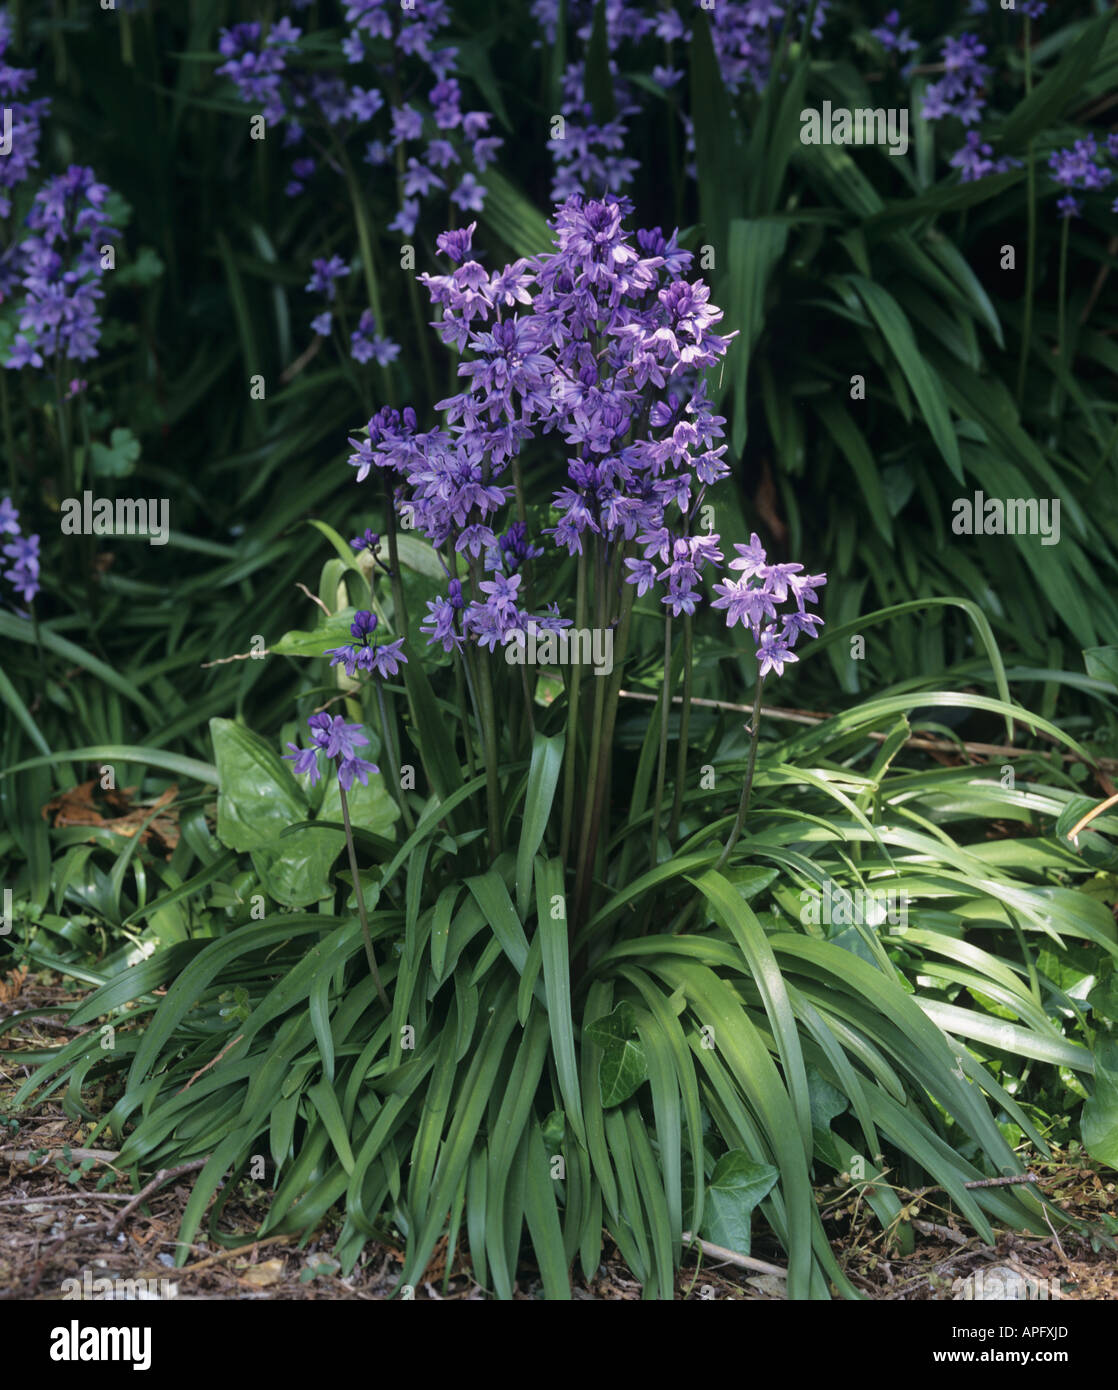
x: 892, y: 37
x: 365, y: 653
x: 602, y: 343
x: 330, y: 734
x: 1078, y: 168
x: 60, y: 270
x: 26, y: 119
x: 22, y: 550
x: 744, y: 33
x: 753, y: 599
x: 420, y: 136
x: 436, y: 147
x: 961, y: 90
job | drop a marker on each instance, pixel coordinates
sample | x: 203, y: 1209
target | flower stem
x: 492, y: 773
x: 359, y: 895
x: 743, y: 806
x: 389, y: 734
x: 585, y: 851
x: 461, y: 676
x: 603, y: 772
x: 365, y: 240
x: 684, y: 730
x: 661, y: 765
x: 1030, y: 209
x: 400, y: 615
x: 9, y: 433
x: 1061, y: 309
x: 572, y: 719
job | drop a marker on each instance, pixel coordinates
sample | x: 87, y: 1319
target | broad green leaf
x: 734, y: 1189
x: 1099, y: 1122
x: 897, y: 332
x: 543, y: 777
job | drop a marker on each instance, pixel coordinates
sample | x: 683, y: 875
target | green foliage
x: 697, y: 1050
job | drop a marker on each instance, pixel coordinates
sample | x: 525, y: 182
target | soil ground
x: 54, y: 1225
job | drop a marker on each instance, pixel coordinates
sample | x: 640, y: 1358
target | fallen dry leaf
x: 112, y: 809
x: 11, y: 985
x: 268, y: 1272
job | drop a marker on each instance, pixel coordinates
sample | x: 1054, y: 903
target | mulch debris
x: 55, y: 1226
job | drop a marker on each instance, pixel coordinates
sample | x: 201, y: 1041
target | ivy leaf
x: 624, y: 1065
x: 615, y: 1027
x: 1102, y: 664
x: 119, y: 457
x: 143, y: 271
x: 736, y: 1186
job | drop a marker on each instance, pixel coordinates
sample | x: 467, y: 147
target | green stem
x: 530, y: 722
x: 492, y: 772
x: 522, y: 516
x: 743, y: 806
x: 460, y: 691
x: 1061, y: 310
x: 126, y: 55
x: 368, y: 266
x: 9, y: 432
x: 684, y: 730
x: 573, y: 697
x: 603, y: 772
x: 400, y: 614
x: 662, y: 761
x: 421, y: 334
x: 1031, y: 213
x: 585, y: 854
x: 389, y: 735
x: 359, y: 895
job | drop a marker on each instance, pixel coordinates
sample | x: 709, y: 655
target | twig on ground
x: 211, y: 1063
x: 164, y: 1175
x: 64, y: 1197
x: 35, y: 1157
x: 920, y: 741
x: 229, y: 1254
x: 719, y: 1252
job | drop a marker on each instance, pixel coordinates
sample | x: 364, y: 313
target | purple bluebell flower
x: 1078, y: 169
x: 366, y: 344
x: 469, y: 195
x: 61, y: 270
x: 365, y: 653
x: 339, y: 741
x: 599, y: 328
x: 368, y: 540
x: 976, y: 159
x: 892, y: 37
x: 24, y: 573
x: 324, y: 274
x: 26, y: 119
x: 456, y: 245
x: 754, y: 600
x: 960, y: 91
